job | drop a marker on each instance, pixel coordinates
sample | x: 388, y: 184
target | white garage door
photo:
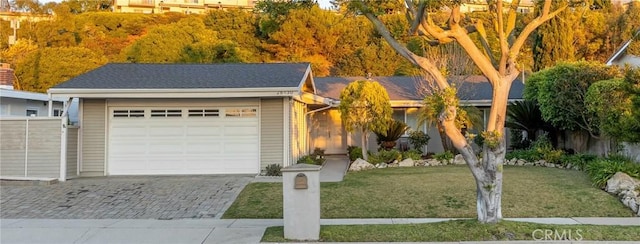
x: 156, y: 140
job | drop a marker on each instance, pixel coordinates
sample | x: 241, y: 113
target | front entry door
x: 329, y: 134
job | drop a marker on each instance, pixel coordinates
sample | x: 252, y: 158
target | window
x: 204, y: 112
x: 57, y: 112
x: 398, y: 114
x: 166, y: 113
x: 32, y: 112
x: 241, y: 112
x: 128, y: 113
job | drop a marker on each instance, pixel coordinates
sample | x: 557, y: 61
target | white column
x: 301, y: 202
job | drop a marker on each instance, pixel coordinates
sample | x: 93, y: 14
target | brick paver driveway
x: 139, y: 197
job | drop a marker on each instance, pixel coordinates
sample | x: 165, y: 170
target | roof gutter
x: 177, y: 92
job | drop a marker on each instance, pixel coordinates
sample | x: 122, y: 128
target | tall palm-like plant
x: 395, y: 130
x: 525, y: 115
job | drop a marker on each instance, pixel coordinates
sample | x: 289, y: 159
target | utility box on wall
x: 301, y: 202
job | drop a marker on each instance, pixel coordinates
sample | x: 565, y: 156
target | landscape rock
x: 406, y: 163
x: 458, y: 159
x: 420, y: 162
x: 382, y: 165
x: 432, y: 162
x: 360, y: 165
x: 621, y: 182
x: 520, y: 162
x: 528, y: 164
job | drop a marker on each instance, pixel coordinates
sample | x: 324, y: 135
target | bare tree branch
x: 417, y: 13
x: 406, y: 53
x: 484, y: 42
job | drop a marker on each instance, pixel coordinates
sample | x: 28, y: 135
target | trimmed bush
x: 418, y: 140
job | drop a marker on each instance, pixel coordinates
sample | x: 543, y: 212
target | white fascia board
x: 406, y: 103
x: 307, y: 75
x: 178, y: 93
x: 309, y: 98
x: 27, y: 95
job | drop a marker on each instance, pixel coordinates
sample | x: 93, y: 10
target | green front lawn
x: 465, y: 230
x: 440, y: 192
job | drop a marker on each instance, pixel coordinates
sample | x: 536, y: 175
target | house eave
x: 177, y: 92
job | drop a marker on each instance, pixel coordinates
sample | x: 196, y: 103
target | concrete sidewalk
x: 199, y: 230
x: 333, y: 170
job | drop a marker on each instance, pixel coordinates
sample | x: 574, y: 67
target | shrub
x: 385, y: 156
x: 579, y: 160
x: 602, y: 170
x: 418, y: 140
x: 310, y: 159
x: 445, y: 156
x: 414, y: 154
x: 553, y: 156
x: 354, y: 152
x: 528, y: 155
x: 306, y: 159
x: 274, y: 170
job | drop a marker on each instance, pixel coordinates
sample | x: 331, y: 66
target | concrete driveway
x: 120, y: 197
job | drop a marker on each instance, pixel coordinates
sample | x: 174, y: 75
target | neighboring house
x: 621, y: 57
x: 147, y: 119
x: 405, y: 94
x: 22, y: 103
x: 179, y: 6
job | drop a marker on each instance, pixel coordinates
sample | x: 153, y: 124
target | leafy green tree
x: 307, y: 35
x: 274, y: 12
x: 220, y: 52
x: 61, y: 32
x: 365, y: 107
x: 166, y: 43
x: 238, y: 26
x: 46, y: 67
x: 561, y: 93
x: 612, y: 101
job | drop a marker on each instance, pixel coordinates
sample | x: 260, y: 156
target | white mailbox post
x: 301, y: 202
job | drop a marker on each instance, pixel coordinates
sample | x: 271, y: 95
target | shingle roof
x: 172, y: 76
x: 473, y: 88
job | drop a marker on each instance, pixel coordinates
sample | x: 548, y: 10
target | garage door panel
x: 182, y: 145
